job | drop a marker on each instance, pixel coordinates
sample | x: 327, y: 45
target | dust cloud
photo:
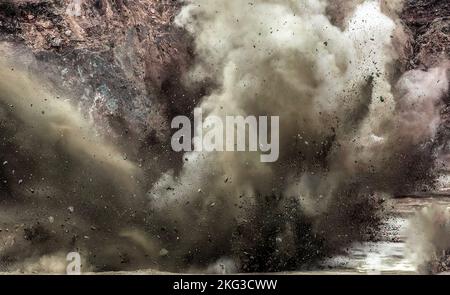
x: 351, y: 130
x: 352, y: 133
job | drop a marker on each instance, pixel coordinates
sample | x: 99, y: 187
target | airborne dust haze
x: 353, y: 132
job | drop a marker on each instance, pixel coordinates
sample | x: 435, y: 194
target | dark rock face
x: 421, y: 12
x: 429, y: 24
x: 120, y: 61
x: 121, y: 64
x: 124, y: 59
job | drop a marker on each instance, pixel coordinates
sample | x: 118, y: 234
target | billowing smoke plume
x: 428, y: 240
